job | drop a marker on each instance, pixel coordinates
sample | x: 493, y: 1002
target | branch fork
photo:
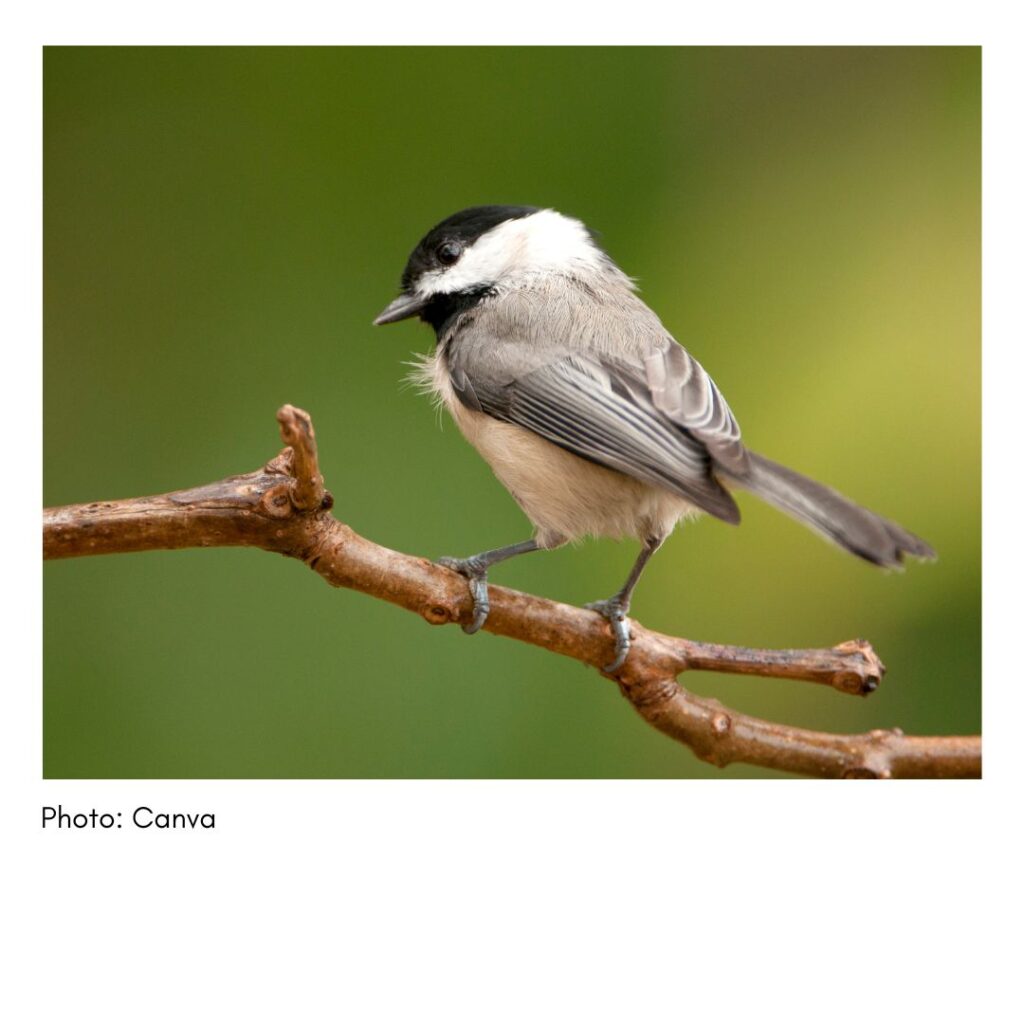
x: 285, y: 508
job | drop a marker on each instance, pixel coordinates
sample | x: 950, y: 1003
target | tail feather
x: 865, y: 534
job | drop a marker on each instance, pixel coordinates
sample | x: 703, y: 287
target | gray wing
x: 681, y: 389
x: 663, y: 421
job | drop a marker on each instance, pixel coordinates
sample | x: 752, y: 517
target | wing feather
x: 608, y: 413
x: 682, y: 390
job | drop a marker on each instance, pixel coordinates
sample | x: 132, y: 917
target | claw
x: 614, y: 613
x: 476, y: 574
x: 481, y: 603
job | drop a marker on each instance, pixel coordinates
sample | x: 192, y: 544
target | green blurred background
x: 221, y: 226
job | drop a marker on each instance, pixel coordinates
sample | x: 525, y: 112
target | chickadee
x: 589, y: 412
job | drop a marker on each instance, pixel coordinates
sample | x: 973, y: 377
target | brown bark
x: 284, y: 508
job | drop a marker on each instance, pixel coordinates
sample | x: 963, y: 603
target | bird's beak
x: 402, y: 308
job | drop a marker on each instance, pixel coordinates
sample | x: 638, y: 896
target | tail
x: 863, y: 533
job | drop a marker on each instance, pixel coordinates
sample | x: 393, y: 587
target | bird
x: 590, y: 413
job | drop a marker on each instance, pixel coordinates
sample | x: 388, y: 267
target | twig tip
x: 297, y: 432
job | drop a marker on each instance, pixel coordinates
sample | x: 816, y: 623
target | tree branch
x: 285, y: 508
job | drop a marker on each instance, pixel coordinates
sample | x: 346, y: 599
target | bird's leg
x: 475, y: 569
x: 615, y: 608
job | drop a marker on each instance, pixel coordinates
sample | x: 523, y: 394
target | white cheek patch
x: 544, y: 242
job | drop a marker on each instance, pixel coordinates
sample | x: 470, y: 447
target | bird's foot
x: 614, y: 610
x: 475, y: 572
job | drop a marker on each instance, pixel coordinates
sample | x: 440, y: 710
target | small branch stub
x: 284, y: 508
x: 307, y: 487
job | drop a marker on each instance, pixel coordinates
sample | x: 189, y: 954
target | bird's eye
x: 449, y: 252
